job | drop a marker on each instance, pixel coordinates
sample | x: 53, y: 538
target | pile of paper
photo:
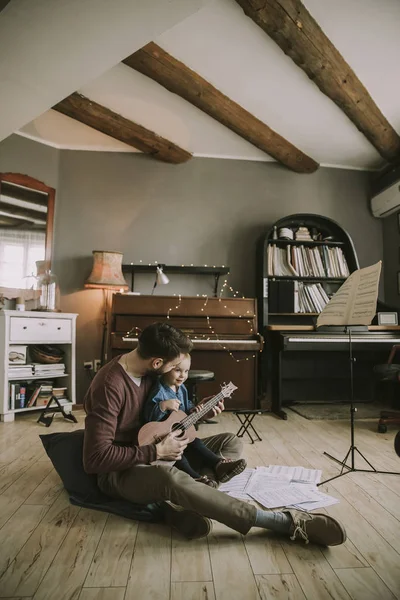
x: 278, y: 486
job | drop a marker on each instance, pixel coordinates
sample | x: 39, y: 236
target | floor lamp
x: 106, y: 275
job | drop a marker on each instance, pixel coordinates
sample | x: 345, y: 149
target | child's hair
x: 162, y: 340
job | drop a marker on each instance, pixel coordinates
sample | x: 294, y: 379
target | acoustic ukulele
x: 178, y: 421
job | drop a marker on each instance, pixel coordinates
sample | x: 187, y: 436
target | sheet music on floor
x: 279, y: 486
x: 236, y: 486
x: 324, y: 500
x: 275, y: 488
x: 299, y: 474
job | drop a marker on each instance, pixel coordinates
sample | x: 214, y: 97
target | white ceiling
x: 232, y: 53
x: 50, y: 48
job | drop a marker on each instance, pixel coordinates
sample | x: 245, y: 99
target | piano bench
x: 246, y: 418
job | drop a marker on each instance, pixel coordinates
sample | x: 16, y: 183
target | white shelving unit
x: 27, y: 328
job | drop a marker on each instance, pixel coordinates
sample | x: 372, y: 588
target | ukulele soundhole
x: 178, y: 428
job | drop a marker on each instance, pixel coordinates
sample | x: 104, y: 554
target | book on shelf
x: 22, y: 371
x: 35, y: 369
x: 39, y: 394
x: 294, y: 296
x: 17, y: 396
x: 59, y: 392
x: 304, y: 261
x: 33, y: 394
x: 44, y: 401
x: 46, y: 369
x: 303, y: 233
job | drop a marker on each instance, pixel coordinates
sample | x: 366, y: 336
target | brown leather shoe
x: 190, y: 524
x: 226, y: 469
x: 316, y: 528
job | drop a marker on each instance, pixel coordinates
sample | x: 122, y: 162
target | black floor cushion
x: 65, y: 451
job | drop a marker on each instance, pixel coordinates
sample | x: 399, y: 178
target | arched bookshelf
x: 295, y: 276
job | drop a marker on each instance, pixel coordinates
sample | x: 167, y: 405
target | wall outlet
x: 97, y: 364
x: 88, y: 365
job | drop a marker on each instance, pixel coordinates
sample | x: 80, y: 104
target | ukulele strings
x: 191, y: 419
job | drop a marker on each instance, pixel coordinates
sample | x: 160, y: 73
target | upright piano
x: 223, y: 331
x: 299, y: 353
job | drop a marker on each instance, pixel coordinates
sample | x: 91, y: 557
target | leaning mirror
x: 26, y: 228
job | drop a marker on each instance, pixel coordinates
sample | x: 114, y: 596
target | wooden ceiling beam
x: 153, y: 61
x: 3, y: 4
x: 296, y: 32
x: 103, y: 119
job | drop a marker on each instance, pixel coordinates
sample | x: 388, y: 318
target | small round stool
x: 195, y: 377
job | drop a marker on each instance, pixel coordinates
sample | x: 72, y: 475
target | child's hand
x: 170, y: 405
x: 214, y: 411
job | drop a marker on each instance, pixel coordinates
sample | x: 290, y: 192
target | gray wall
x: 21, y: 155
x: 206, y: 211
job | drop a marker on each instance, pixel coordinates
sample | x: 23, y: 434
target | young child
x: 170, y: 394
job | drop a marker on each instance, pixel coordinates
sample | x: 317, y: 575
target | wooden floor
x: 51, y: 550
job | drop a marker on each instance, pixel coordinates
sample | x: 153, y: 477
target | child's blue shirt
x: 160, y: 392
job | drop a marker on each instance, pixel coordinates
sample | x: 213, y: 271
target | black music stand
x: 353, y: 448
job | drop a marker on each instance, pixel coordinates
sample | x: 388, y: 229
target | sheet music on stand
x: 355, y: 301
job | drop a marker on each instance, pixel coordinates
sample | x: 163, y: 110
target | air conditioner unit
x: 385, y: 198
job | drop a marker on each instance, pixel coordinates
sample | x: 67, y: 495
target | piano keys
x: 212, y: 343
x: 231, y: 327
x: 336, y: 342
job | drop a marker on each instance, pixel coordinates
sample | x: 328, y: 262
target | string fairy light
x: 176, y: 307
x: 224, y: 288
x: 133, y: 332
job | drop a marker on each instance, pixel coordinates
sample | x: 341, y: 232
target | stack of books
x: 52, y: 370
x: 61, y: 395
x: 20, y: 371
x: 303, y: 234
x: 40, y: 394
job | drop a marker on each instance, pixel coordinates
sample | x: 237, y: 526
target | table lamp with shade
x: 106, y: 275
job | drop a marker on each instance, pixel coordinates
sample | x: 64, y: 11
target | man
x: 113, y: 405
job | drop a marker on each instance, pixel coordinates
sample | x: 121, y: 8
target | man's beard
x: 155, y: 372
